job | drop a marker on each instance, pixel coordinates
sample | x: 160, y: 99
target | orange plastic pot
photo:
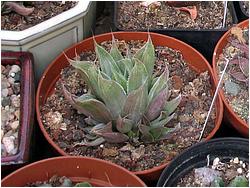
x: 52, y: 74
x: 229, y: 115
x: 95, y: 171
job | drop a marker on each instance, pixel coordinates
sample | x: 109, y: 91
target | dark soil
x: 132, y: 15
x: 67, y: 128
x: 235, y: 91
x: 43, y: 10
x: 226, y: 169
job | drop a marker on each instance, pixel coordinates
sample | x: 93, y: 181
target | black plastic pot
x: 196, y: 156
x: 203, y: 40
x: 240, y: 11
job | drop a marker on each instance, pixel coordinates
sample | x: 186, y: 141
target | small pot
x: 196, y: 156
x: 95, y: 171
x: 27, y: 99
x: 195, y: 60
x: 229, y: 115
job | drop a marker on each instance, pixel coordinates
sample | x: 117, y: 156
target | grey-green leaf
x: 171, y: 106
x: 162, y: 120
x: 106, y: 61
x: 124, y: 125
x: 95, y: 142
x: 218, y: 182
x: 138, y: 76
x: 115, y: 137
x: 114, y: 52
x: 239, y: 181
x: 113, y: 95
x: 146, y: 135
x: 157, y: 105
x: 136, y: 103
x: 160, y: 84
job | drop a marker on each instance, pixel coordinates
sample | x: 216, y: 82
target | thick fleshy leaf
x: 88, y: 72
x: 171, y: 106
x: 126, y: 66
x: 146, y: 135
x: 114, y: 52
x: 95, y: 142
x: 136, y: 104
x: 124, y: 125
x: 102, y: 128
x: 137, y: 77
x: 95, y: 109
x: 162, y: 120
x: 157, y: 105
x: 147, y: 55
x: 160, y: 84
x: 244, y: 66
x: 120, y: 79
x: 113, y: 95
x: 239, y: 76
x: 83, y: 184
x: 90, y: 121
x: 114, y: 137
x: 107, y: 63
x: 157, y: 132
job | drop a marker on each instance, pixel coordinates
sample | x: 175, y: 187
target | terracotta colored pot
x: 27, y: 99
x: 52, y: 74
x: 95, y: 171
x: 229, y: 115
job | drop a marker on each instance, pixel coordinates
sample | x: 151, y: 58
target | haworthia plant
x: 125, y: 101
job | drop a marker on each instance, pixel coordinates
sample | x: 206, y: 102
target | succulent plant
x: 125, y: 100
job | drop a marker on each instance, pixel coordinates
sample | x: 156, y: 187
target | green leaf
x: 95, y: 109
x: 157, y: 105
x: 137, y: 77
x: 146, y: 136
x: 136, y: 103
x: 239, y: 181
x: 114, y: 52
x: 147, y: 55
x: 114, y: 137
x: 160, y: 84
x: 171, y: 106
x: 126, y: 66
x: 113, y: 95
x: 162, y: 120
x: 83, y: 184
x: 107, y: 63
x: 120, y: 79
x: 101, y: 128
x: 217, y: 182
x: 95, y: 142
x: 124, y: 125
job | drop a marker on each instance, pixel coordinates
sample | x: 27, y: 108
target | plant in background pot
x: 17, y: 108
x: 217, y: 163
x: 195, y: 22
x: 242, y: 9
x: 90, y: 171
x: 234, y: 46
x: 135, y: 103
x: 36, y: 25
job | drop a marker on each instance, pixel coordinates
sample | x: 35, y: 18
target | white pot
x: 48, y: 39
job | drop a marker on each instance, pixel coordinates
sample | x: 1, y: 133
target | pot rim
x: 154, y: 169
x: 228, y: 107
x: 48, y: 160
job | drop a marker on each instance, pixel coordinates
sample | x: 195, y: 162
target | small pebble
x: 5, y: 92
x: 236, y: 160
x: 15, y: 68
x: 11, y: 80
x: 8, y: 143
x: 2, y: 133
x: 17, y: 114
x: 6, y: 101
x: 244, y: 165
x: 14, y: 125
x: 216, y: 161
x: 241, y: 162
x: 239, y: 170
x: 12, y: 74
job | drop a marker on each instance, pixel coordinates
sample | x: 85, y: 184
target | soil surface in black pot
x: 43, y: 10
x: 67, y: 128
x: 135, y: 15
x: 236, y: 78
x: 10, y: 109
x: 56, y: 181
x: 221, y: 173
